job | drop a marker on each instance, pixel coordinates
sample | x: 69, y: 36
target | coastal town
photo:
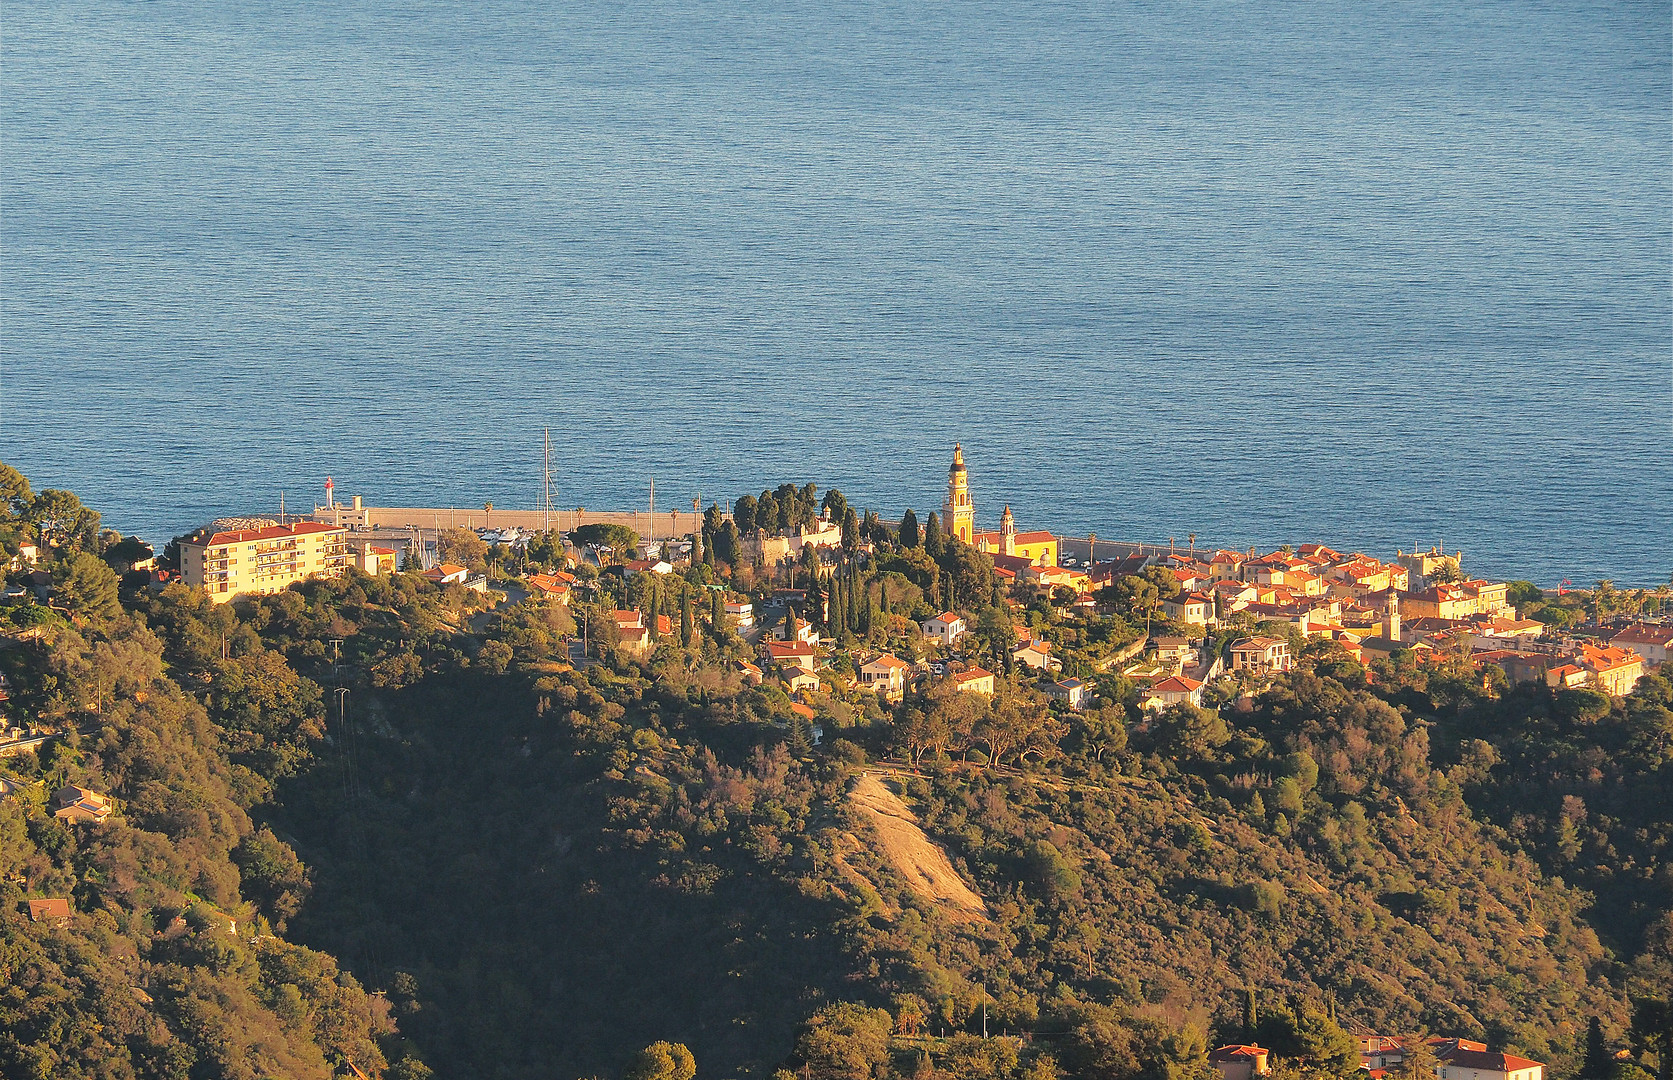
x: 1217, y: 624
x: 843, y: 615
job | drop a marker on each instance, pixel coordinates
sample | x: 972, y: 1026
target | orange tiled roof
x: 271, y: 532
x: 1177, y: 684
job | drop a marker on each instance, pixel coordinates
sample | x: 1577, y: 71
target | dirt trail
x: 919, y: 860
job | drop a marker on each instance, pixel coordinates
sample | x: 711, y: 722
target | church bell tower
x: 1007, y: 533
x: 958, y: 516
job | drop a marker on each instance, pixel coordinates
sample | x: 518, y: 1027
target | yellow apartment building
x: 256, y: 562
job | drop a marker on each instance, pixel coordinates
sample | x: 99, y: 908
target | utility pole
x: 653, y: 510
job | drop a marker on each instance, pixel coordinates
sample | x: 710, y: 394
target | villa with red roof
x: 945, y: 628
x: 1240, y: 1061
x: 1650, y: 642
x: 885, y: 675
x: 1461, y: 1059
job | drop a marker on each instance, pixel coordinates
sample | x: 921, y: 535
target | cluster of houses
x: 1372, y: 608
x: 1379, y: 1055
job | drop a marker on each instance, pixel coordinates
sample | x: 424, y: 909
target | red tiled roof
x: 1641, y: 634
x: 1488, y: 1061
x: 1178, y: 684
x: 1236, y: 1050
x: 271, y: 532
x: 55, y: 907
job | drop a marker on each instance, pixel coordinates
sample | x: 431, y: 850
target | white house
x: 1037, y: 655
x: 1261, y: 654
x: 1461, y: 1059
x: 886, y: 675
x: 794, y: 629
x: 945, y: 628
x: 1071, y: 692
x: 1173, y: 690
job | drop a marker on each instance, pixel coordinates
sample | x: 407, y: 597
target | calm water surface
x: 1365, y: 273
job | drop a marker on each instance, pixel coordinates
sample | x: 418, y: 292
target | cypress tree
x: 1599, y: 1063
x: 853, y: 600
x: 800, y: 743
x: 717, y: 612
x: 909, y: 537
x: 651, y: 604
x: 932, y: 537
x: 685, y: 621
x: 1250, y: 1018
x: 883, y: 594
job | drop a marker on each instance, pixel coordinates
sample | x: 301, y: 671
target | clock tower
x: 958, y: 515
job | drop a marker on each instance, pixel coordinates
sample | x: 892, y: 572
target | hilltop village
x: 1224, y: 700
x: 829, y: 600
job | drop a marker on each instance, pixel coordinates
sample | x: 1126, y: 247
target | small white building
x: 945, y: 628
x: 1037, y: 655
x: 885, y: 675
x: 1261, y: 654
x: 742, y: 612
x: 1071, y: 692
x: 794, y: 629
x: 1172, y: 691
x: 1461, y: 1059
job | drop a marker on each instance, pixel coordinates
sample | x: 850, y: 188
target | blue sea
x: 1372, y: 274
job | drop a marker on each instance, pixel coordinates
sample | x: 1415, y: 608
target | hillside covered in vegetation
x: 369, y: 824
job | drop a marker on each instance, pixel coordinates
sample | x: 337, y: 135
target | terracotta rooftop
x: 271, y: 532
